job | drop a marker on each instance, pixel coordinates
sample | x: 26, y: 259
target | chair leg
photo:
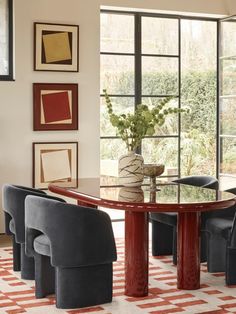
x: 16, y: 254
x: 230, y: 271
x: 83, y: 286
x: 216, y: 256
x: 203, y: 246
x: 27, y: 265
x: 162, y: 238
x: 44, y: 276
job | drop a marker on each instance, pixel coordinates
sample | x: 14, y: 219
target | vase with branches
x: 132, y: 128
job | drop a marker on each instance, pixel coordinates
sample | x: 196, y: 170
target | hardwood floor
x: 5, y: 240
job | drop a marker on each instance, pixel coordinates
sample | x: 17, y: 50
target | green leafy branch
x: 132, y: 128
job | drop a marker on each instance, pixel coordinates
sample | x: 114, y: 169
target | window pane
x: 4, y: 38
x: 159, y: 76
x: 198, y: 92
x: 120, y: 105
x: 228, y: 84
x: 228, y: 116
x: 228, y: 38
x: 228, y: 155
x: 117, y: 74
x: 198, y: 153
x: 198, y: 45
x: 114, y: 36
x: 110, y: 151
x: 159, y: 36
x: 162, y: 151
x: 171, y: 123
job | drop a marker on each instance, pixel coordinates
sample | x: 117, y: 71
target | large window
x: 227, y: 110
x: 6, y: 40
x: 145, y: 57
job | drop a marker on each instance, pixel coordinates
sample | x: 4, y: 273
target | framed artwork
x: 55, y: 163
x: 56, y: 47
x: 55, y: 106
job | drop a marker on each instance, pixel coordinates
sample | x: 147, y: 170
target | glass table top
x: 166, y: 193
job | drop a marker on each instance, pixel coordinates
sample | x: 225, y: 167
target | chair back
x: 220, y: 213
x: 78, y: 235
x: 201, y: 181
x: 14, y: 207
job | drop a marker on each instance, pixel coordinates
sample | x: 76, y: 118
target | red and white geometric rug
x: 17, y: 295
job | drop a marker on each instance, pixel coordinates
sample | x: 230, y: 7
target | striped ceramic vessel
x: 131, y: 169
x: 131, y: 194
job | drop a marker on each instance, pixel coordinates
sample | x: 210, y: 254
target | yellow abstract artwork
x: 57, y: 47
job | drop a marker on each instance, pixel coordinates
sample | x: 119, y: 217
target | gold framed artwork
x: 56, y: 47
x: 55, y: 106
x: 55, y: 162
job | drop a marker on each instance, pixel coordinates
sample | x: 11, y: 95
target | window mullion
x: 138, y: 62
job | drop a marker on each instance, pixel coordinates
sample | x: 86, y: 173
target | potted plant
x: 132, y: 128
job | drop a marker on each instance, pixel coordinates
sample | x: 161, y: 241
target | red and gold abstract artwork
x: 55, y: 106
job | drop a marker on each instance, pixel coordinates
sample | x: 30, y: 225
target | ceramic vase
x: 131, y: 194
x: 131, y: 169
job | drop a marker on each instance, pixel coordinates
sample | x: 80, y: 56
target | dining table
x: 137, y: 202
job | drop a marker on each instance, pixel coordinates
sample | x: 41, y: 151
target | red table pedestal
x: 188, y: 260
x: 136, y: 254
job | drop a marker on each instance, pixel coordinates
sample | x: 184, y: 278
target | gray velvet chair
x: 221, y: 232
x: 164, y: 225
x: 14, y: 210
x: 79, y: 243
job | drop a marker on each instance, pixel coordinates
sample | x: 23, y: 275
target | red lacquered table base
x: 136, y: 252
x: 188, y: 250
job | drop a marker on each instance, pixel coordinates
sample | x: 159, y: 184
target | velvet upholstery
x: 222, y: 241
x: 164, y: 225
x: 14, y: 210
x: 79, y: 243
x: 202, y: 181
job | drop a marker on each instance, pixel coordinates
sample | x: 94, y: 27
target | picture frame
x: 56, y: 47
x: 55, y: 162
x: 55, y: 106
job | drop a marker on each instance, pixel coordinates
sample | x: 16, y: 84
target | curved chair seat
x: 12, y: 226
x: 164, y: 225
x: 42, y: 245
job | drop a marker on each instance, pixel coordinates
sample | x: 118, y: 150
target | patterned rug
x: 17, y: 295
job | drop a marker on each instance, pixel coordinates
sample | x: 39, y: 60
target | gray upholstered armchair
x: 79, y: 243
x: 221, y: 231
x: 14, y: 210
x: 164, y: 234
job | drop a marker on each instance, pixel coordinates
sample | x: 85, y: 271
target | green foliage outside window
x: 198, y: 133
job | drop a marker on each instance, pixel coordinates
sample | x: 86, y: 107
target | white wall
x: 230, y: 7
x: 16, y: 130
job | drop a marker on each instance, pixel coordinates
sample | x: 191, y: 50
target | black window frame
x: 137, y: 69
x: 10, y: 75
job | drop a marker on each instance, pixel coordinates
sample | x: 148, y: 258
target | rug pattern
x: 17, y: 295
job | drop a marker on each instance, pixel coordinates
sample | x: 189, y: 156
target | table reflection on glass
x: 187, y: 201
